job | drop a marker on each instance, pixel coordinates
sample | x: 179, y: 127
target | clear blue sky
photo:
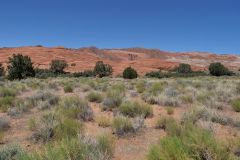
x: 173, y: 25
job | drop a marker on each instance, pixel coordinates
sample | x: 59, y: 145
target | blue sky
x: 173, y: 25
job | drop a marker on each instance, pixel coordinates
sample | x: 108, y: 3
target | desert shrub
x: 2, y: 71
x: 32, y: 125
x: 218, y: 69
x: 45, y: 130
x: 19, y: 107
x: 68, y: 88
x: 79, y: 148
x: 130, y: 73
x: 184, y: 68
x: 236, y: 105
x: 10, y: 152
x: 140, y: 86
x: 95, y: 97
x: 6, y: 103
x: 163, y: 121
x: 114, y: 97
x: 122, y: 126
x: 104, y: 121
x: 20, y: 67
x: 74, y: 107
x: 58, y: 66
x: 136, y: 108
x: 87, y: 73
x: 191, y: 143
x: 4, y: 124
x: 102, y: 69
x: 7, y: 92
x: 67, y: 128
x: 170, y: 110
x: 156, y: 88
x: 43, y: 73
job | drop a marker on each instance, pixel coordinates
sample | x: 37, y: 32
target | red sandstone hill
x: 143, y: 60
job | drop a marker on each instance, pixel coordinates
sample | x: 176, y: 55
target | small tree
x: 58, y: 66
x: 20, y: 67
x: 2, y: 72
x: 218, y: 69
x: 130, y: 73
x: 102, y: 69
x: 184, y: 68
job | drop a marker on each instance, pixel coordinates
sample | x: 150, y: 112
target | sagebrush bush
x: 136, y: 108
x: 75, y: 107
x: 95, y: 97
x: 236, y: 105
x: 164, y: 121
x: 122, y: 126
x: 10, y: 152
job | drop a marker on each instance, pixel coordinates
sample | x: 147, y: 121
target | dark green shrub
x: 2, y: 71
x: 130, y: 73
x: 184, y: 68
x: 102, y: 69
x: 20, y: 67
x: 87, y: 73
x: 218, y: 69
x: 58, y: 66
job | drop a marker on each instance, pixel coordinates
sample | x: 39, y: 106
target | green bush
x: 218, y: 69
x: 130, y: 73
x: 136, y: 108
x: 68, y: 88
x: 122, y: 126
x: 95, y: 97
x: 102, y: 69
x: 87, y: 73
x: 58, y: 66
x: 20, y: 67
x: 2, y: 71
x: 236, y: 105
x: 190, y: 143
x: 164, y: 121
x: 184, y: 68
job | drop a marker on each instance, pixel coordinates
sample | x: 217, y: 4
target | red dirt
x: 143, y: 60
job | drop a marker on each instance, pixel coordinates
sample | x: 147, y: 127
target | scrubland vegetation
x: 176, y: 118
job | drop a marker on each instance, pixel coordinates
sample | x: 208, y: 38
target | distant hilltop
x: 143, y: 60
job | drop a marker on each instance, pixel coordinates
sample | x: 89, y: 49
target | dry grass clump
x: 104, y: 121
x: 136, y: 108
x: 95, y: 97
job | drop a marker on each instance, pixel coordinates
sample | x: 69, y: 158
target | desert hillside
x: 144, y: 60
